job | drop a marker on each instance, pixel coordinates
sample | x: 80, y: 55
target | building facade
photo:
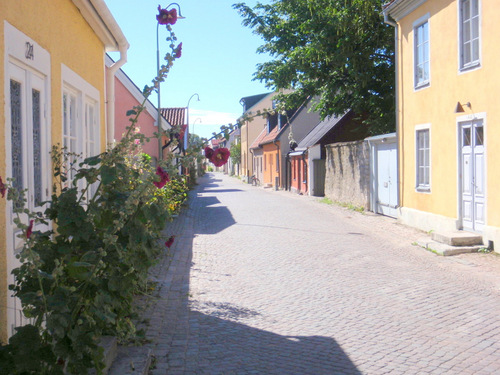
x: 448, y: 114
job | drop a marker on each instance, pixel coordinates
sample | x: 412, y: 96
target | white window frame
x: 425, y: 44
x: 473, y: 63
x: 420, y: 164
x: 86, y: 97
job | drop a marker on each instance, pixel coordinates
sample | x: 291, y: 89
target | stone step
x: 445, y: 249
x: 131, y: 360
x: 458, y: 238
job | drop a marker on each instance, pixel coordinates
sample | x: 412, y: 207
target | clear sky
x: 218, y: 57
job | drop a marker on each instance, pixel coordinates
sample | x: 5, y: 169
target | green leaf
x: 108, y: 174
x: 131, y: 112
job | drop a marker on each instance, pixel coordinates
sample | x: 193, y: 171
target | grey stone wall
x: 348, y: 173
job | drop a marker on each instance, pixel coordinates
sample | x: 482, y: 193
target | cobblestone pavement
x: 266, y: 282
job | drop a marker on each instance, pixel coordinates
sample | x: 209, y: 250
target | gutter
x: 390, y: 22
x: 100, y: 19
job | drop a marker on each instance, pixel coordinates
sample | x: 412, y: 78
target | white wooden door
x: 28, y: 160
x: 386, y: 179
x: 473, y: 195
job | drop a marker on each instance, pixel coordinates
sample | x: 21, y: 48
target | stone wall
x: 348, y: 173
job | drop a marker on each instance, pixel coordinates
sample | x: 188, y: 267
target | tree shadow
x: 190, y: 336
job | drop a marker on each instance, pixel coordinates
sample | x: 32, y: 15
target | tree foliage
x: 339, y: 50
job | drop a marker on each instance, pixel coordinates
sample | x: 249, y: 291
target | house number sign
x: 29, y: 51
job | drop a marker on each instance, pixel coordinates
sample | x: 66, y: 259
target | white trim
x: 416, y: 24
x: 24, y: 57
x: 477, y: 65
x: 459, y: 121
x: 100, y: 19
x: 419, y: 189
x: 401, y: 8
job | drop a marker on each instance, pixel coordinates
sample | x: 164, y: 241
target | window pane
x: 479, y: 136
x: 466, y: 136
x: 474, y: 7
x: 466, y: 10
x: 16, y: 121
x: 423, y: 160
x: 37, y: 147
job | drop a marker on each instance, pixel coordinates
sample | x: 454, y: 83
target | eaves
x: 399, y: 9
x: 100, y: 19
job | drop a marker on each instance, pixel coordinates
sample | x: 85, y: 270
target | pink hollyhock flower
x: 170, y: 241
x: 209, y: 152
x: 29, y: 231
x: 166, y: 17
x: 178, y: 51
x: 3, y: 188
x: 164, y: 178
x: 137, y: 141
x: 220, y: 157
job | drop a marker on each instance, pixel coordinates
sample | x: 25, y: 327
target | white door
x: 28, y: 158
x: 386, y: 179
x: 473, y: 196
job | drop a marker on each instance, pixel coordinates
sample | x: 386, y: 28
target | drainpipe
x: 305, y: 171
x: 390, y: 22
x: 278, y: 178
x: 110, y: 92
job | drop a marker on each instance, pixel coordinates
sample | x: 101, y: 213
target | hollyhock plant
x: 166, y: 17
x: 3, y: 188
x: 29, y: 231
x: 209, y: 152
x: 170, y: 242
x: 178, y: 51
x: 164, y: 178
x: 220, y: 156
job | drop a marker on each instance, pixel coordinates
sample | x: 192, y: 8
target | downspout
x: 110, y: 92
x: 253, y: 159
x: 399, y: 132
x: 278, y: 181
x: 305, y: 171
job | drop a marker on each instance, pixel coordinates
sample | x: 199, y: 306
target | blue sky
x: 218, y: 57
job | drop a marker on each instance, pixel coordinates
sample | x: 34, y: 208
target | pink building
x: 128, y: 95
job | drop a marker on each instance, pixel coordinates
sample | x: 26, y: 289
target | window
x: 80, y: 113
x: 421, y: 60
x: 469, y: 34
x: 423, y: 159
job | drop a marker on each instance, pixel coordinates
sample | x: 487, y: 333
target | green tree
x: 338, y: 50
x: 236, y: 153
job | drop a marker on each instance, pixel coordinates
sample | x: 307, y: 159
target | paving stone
x: 268, y: 282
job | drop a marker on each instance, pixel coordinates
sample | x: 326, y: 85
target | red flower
x: 3, y: 188
x: 166, y: 17
x: 170, y: 241
x: 220, y: 157
x: 209, y: 152
x: 164, y: 177
x: 178, y: 51
x: 29, y: 230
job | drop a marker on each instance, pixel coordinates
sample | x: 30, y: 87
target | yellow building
x: 251, y: 129
x: 52, y: 74
x: 448, y: 113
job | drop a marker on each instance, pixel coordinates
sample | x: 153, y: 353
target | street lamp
x: 179, y: 16
x: 195, y: 123
x: 187, y: 119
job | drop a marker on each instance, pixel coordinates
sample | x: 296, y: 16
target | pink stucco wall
x: 124, y: 101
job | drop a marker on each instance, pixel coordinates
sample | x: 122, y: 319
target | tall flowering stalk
x: 77, y: 282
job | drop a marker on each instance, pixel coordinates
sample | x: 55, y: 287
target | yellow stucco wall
x: 58, y: 27
x: 435, y: 105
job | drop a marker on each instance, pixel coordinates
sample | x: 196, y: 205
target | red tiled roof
x: 256, y: 143
x: 271, y: 136
x: 175, y: 116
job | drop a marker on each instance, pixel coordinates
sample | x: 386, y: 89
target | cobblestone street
x: 268, y: 282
